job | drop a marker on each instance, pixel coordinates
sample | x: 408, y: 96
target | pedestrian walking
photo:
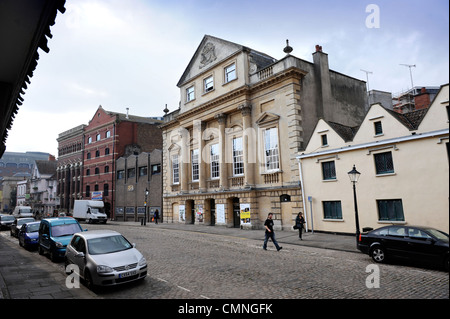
x: 268, y: 224
x: 299, y: 222
x: 155, y: 216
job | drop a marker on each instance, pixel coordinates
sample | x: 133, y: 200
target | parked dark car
x: 6, y: 221
x: 28, y: 235
x: 17, y: 224
x: 422, y: 244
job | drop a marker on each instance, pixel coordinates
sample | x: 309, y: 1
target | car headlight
x: 142, y: 262
x: 103, y: 269
x: 59, y: 245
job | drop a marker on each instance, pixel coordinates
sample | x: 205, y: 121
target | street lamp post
x: 145, y: 204
x: 354, y: 176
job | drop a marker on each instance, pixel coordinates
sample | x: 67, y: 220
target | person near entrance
x: 299, y: 222
x: 268, y: 224
x: 156, y: 216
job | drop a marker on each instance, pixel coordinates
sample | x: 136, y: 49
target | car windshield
x: 96, y: 211
x: 65, y: 230
x: 438, y: 234
x: 24, y: 220
x: 32, y: 228
x: 5, y: 218
x: 25, y: 211
x: 108, y: 245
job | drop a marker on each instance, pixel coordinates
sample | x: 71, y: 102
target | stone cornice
x: 245, y: 90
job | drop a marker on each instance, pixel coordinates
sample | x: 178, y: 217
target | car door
x: 78, y: 253
x: 421, y: 246
x: 44, y: 236
x: 396, y: 241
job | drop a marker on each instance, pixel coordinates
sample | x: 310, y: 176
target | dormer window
x: 208, y: 84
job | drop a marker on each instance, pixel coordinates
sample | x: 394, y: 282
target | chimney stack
x: 127, y: 113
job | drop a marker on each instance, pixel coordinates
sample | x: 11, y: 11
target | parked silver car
x: 104, y: 258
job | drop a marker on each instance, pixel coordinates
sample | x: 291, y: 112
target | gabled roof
x: 127, y: 117
x: 260, y: 59
x: 46, y: 167
x: 346, y: 132
x: 411, y: 120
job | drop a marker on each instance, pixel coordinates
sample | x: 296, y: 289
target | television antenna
x: 410, y: 72
x: 367, y: 77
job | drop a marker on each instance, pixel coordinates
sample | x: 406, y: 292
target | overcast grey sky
x: 131, y: 53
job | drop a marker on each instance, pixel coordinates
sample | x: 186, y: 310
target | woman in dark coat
x: 299, y: 221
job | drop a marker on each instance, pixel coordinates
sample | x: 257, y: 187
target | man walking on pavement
x: 268, y: 224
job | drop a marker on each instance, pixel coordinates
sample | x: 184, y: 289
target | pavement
x: 47, y: 280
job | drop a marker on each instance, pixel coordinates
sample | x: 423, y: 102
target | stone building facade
x: 229, y: 151
x: 139, y: 186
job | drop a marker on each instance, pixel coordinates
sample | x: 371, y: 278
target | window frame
x: 208, y: 84
x: 238, y: 159
x: 271, y: 155
x: 381, y: 161
x: 328, y: 173
x: 336, y: 210
x: 175, y: 169
x: 215, y: 161
x: 227, y: 73
x: 190, y: 93
x: 395, y: 213
x: 195, y: 165
x: 378, y: 128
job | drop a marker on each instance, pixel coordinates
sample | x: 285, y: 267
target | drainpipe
x: 303, y: 193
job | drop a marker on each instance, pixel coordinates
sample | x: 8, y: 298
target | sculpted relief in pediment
x: 208, y: 55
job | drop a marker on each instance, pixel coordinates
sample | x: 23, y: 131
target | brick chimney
x: 422, y: 100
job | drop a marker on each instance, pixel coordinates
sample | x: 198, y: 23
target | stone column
x: 248, y: 139
x: 222, y: 119
x: 184, y: 160
x: 199, y: 127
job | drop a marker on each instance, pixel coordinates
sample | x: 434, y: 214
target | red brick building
x: 88, y: 153
x: 108, y: 136
x: 69, y: 169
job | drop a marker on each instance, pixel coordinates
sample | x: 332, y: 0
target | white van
x: 90, y: 210
x: 22, y: 211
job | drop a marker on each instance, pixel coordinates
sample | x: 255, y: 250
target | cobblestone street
x: 196, y: 265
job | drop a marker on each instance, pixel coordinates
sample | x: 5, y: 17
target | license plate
x: 127, y: 274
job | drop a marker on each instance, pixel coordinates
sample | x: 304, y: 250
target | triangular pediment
x: 210, y: 52
x: 267, y: 117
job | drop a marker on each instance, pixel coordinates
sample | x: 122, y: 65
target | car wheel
x: 378, y: 254
x: 446, y: 261
x: 40, y: 250
x: 88, y: 280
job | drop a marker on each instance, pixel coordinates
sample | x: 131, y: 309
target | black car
x: 423, y: 244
